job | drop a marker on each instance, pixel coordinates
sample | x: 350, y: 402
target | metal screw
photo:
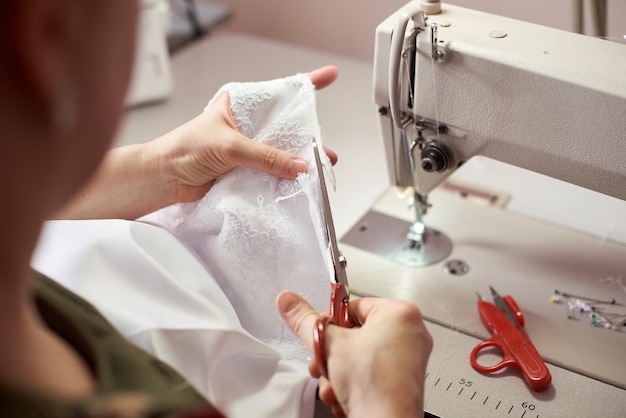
x: 434, y: 158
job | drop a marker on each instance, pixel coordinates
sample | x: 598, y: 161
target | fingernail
x: 287, y: 302
x: 296, y: 166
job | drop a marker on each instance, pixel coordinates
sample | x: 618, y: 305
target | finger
x: 299, y: 316
x: 365, y: 309
x: 332, y: 155
x: 361, y: 308
x: 314, y: 369
x: 326, y: 392
x: 324, y: 76
x: 338, y: 410
x: 271, y: 160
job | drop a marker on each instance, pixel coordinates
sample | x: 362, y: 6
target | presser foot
x: 387, y: 237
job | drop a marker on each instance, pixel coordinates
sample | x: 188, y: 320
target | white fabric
x: 202, y: 299
x: 161, y: 297
x: 258, y: 234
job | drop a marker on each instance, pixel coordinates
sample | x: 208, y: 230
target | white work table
x: 349, y: 125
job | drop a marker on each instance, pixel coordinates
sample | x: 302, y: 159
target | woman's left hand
x: 198, y: 152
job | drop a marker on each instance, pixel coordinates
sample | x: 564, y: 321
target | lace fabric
x: 255, y: 233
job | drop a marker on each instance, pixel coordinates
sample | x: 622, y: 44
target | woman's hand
x: 373, y: 371
x: 200, y: 151
x: 182, y: 165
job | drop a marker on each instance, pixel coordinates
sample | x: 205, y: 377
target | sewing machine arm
x: 539, y: 98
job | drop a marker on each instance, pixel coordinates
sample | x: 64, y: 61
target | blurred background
x: 347, y: 27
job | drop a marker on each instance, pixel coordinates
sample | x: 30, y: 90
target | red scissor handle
x: 319, y: 341
x: 516, y: 347
x: 494, y: 341
x: 338, y: 315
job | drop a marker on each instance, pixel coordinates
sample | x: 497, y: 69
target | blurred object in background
x: 152, y: 78
x: 190, y: 20
x: 165, y: 27
x: 598, y: 14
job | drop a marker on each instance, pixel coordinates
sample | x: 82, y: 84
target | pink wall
x: 347, y: 26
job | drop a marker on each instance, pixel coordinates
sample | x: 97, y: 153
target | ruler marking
x: 510, y: 410
x: 461, y: 391
x: 523, y: 414
x: 472, y: 398
x: 438, y: 379
x: 485, y: 401
x: 499, y: 402
x: 449, y: 386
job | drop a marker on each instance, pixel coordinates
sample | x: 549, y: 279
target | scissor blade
x: 501, y: 304
x: 340, y: 274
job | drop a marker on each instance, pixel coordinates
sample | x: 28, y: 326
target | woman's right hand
x: 374, y: 370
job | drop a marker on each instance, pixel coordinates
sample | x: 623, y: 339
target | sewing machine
x: 451, y: 84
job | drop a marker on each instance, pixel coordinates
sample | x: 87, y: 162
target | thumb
x: 271, y: 160
x: 299, y: 316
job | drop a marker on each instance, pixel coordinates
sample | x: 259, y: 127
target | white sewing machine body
x: 543, y: 99
x: 538, y: 98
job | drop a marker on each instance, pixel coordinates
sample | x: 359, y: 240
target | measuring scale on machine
x: 451, y: 84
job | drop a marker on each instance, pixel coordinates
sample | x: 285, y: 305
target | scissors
x: 339, y: 292
x: 505, y: 320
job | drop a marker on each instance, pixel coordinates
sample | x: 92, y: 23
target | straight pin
x: 611, y: 301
